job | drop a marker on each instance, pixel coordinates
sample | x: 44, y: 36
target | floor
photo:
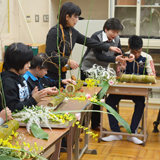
x: 125, y: 150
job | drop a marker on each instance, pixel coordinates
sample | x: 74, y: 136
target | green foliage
x: 116, y: 115
x: 105, y: 86
x: 38, y: 132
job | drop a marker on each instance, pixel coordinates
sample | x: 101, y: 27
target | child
x: 135, y: 45
x: 36, y: 75
x: 16, y: 62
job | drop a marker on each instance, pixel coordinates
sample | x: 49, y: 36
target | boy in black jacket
x: 16, y: 62
x: 36, y: 75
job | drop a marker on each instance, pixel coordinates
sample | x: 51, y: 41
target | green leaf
x: 105, y: 86
x: 116, y: 115
x: 38, y: 132
x: 8, y: 158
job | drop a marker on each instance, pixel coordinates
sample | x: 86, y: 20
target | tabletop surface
x: 54, y: 135
x: 137, y: 85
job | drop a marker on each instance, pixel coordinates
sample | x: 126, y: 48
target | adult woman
x: 68, y: 36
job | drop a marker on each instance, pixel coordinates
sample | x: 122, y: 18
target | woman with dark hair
x: 68, y: 36
x: 16, y: 62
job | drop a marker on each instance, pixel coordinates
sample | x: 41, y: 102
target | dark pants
x: 113, y: 100
x: 95, y: 118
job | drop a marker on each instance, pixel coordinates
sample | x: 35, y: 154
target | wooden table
x: 55, y: 138
x: 71, y: 105
x: 134, y: 89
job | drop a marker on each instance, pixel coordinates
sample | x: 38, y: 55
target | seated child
x: 16, y: 62
x: 135, y: 46
x: 3, y: 115
x: 36, y: 76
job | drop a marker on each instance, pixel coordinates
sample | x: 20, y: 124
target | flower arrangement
x: 9, y: 147
x: 97, y: 75
x: 35, y: 116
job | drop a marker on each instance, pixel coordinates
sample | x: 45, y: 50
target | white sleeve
x: 1, y: 121
x: 150, y: 66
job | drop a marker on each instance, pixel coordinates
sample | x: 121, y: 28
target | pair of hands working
x: 74, y: 65
x: 39, y: 95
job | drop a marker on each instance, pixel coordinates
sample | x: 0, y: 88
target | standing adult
x: 68, y: 36
x: 109, y: 36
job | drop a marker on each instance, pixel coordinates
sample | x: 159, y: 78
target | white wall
x: 39, y: 29
x: 19, y: 31
x: 18, y: 27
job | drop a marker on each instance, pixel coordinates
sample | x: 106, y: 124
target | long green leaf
x: 3, y: 157
x: 116, y: 115
x: 105, y: 86
x: 38, y: 132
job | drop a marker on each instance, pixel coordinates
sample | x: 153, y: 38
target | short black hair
x: 113, y: 23
x: 40, y: 60
x: 135, y: 42
x: 70, y: 9
x: 16, y: 56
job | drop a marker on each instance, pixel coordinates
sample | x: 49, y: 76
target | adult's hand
x: 73, y: 64
x: 120, y: 58
x: 115, y: 49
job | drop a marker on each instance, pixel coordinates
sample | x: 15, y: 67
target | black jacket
x: 16, y: 91
x: 51, y: 44
x: 41, y: 83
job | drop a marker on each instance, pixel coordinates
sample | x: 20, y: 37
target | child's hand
x: 39, y: 95
x: 131, y: 58
x: 67, y: 81
x: 3, y: 114
x: 51, y: 90
x: 35, y: 90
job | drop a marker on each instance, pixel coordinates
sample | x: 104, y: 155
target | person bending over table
x: 136, y: 67
x: 68, y: 37
x: 110, y: 36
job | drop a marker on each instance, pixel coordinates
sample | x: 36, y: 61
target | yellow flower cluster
x: 79, y: 98
x: 86, y: 129
x: 91, y: 82
x: 11, y: 143
x: 63, y: 117
x: 93, y: 99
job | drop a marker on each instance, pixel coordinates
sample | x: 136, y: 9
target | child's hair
x: 16, y: 56
x: 113, y: 23
x: 135, y: 42
x: 40, y: 60
x: 70, y: 9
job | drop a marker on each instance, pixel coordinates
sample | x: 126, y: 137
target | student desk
x: 73, y: 105
x: 55, y: 137
x: 134, y: 89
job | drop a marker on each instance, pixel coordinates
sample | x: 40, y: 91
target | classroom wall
x: 38, y: 30
x: 18, y: 28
